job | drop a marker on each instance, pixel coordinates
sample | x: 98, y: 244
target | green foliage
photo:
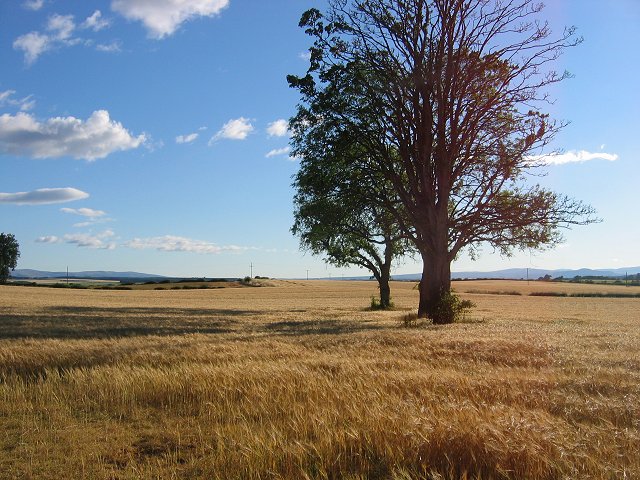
x: 376, y: 304
x: 418, y: 95
x: 342, y: 205
x: 9, y: 254
x: 450, y: 309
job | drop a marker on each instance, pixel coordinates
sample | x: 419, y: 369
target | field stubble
x: 299, y: 380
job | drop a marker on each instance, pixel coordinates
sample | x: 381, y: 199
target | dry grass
x: 302, y: 381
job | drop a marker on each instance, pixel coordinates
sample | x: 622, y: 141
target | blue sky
x: 151, y: 136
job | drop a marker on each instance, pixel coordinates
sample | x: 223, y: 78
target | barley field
x: 298, y: 379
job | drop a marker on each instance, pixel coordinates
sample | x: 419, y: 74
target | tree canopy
x: 9, y: 254
x: 446, y: 97
x: 341, y: 207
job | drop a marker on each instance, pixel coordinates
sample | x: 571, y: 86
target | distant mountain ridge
x: 508, y: 274
x: 98, y: 275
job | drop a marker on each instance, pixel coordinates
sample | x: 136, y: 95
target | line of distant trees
x: 633, y: 279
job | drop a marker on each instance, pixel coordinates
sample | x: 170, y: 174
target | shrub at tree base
x: 451, y: 308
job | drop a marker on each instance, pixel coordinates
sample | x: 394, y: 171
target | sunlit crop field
x: 300, y: 380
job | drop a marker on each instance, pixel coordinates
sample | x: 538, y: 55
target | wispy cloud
x: 163, y: 17
x: 279, y: 128
x: 237, y: 129
x: 278, y: 151
x: 96, y: 21
x: 171, y: 243
x: 88, y: 240
x: 59, y: 29
x: 112, y: 47
x: 572, y: 156
x: 90, y: 139
x: 43, y: 196
x: 33, y: 44
x: 186, y: 138
x: 101, y: 241
x: 24, y: 104
x: 60, y: 32
x: 33, y: 4
x: 49, y: 239
x: 93, y: 216
x: 85, y: 212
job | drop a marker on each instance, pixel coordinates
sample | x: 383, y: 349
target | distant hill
x: 518, y: 273
x: 533, y: 273
x: 509, y: 274
x: 98, y: 275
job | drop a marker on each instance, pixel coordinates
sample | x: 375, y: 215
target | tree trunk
x: 435, y: 283
x: 385, y: 289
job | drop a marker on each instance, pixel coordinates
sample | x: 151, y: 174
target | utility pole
x: 67, y: 274
x: 251, y: 270
x: 307, y: 274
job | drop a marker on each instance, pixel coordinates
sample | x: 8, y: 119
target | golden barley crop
x: 299, y: 380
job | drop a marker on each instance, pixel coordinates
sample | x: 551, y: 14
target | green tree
x: 340, y: 208
x: 9, y: 253
x: 445, y: 97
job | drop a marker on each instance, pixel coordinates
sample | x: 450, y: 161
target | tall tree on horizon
x: 9, y: 254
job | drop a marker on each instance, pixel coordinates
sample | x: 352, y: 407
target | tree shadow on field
x: 319, y: 327
x: 92, y: 322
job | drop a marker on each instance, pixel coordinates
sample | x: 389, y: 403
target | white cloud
x: 94, y: 138
x: 186, y: 138
x: 112, y: 47
x: 237, y: 129
x: 85, y: 212
x: 279, y: 128
x: 33, y: 44
x: 164, y: 17
x: 33, y: 4
x: 94, y: 216
x: 49, y: 239
x: 171, y: 243
x: 43, y: 196
x: 95, y: 22
x: 60, y: 33
x: 572, y: 156
x: 62, y: 26
x: 278, y: 151
x: 26, y: 103
x: 97, y: 241
x: 4, y: 96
